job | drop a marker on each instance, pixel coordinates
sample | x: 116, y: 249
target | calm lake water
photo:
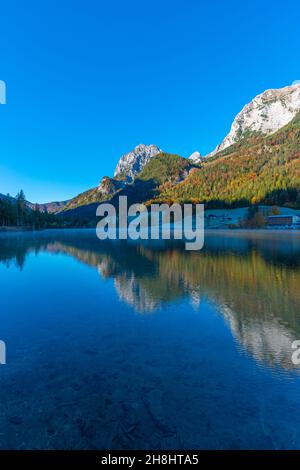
x: 145, y: 345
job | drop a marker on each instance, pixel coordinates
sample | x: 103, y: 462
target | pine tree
x: 21, y: 208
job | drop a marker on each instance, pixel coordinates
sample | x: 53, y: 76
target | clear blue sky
x: 88, y: 80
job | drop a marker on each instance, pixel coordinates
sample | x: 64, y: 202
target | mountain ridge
x: 232, y: 171
x: 258, y: 169
x: 50, y: 207
x: 132, y: 163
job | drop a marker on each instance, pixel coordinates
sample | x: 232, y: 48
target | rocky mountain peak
x: 195, y: 157
x: 265, y: 114
x: 133, y: 162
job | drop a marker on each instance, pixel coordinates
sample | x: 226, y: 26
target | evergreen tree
x: 21, y: 208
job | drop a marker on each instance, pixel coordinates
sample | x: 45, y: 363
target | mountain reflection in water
x: 252, y: 280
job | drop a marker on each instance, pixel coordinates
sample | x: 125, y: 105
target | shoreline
x: 254, y: 231
x: 15, y: 229
x: 237, y: 231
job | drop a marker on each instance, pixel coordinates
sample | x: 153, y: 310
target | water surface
x: 145, y: 345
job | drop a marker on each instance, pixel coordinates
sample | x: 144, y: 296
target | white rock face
x: 133, y: 162
x: 267, y: 113
x: 195, y: 157
x: 267, y: 340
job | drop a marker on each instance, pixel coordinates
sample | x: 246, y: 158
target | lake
x: 123, y: 345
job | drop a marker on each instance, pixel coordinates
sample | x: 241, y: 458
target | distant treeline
x: 14, y: 212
